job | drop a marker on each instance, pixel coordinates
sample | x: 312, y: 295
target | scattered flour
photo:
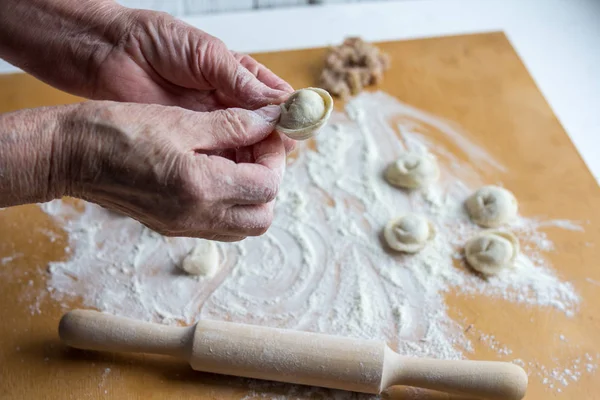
x: 321, y: 267
x: 556, y: 378
x: 105, y: 374
x: 8, y: 259
x: 494, y: 344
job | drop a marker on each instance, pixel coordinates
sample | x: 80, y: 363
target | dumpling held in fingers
x: 304, y: 113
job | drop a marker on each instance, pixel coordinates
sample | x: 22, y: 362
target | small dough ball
x: 202, y: 260
x: 491, y: 206
x: 490, y: 252
x: 408, y: 233
x: 304, y: 113
x: 412, y: 171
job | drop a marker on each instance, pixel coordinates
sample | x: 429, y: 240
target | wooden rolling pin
x: 367, y: 366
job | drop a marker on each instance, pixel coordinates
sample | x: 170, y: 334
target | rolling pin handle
x: 492, y: 380
x: 92, y: 330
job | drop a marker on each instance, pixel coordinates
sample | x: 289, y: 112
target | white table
x: 558, y: 40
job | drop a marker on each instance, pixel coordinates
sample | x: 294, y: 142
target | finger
x: 288, y: 143
x: 227, y: 75
x: 177, y: 55
x: 230, y: 128
x: 270, y: 153
x: 242, y: 183
x: 234, y: 102
x: 246, y: 154
x: 230, y: 154
x: 250, y: 220
x: 249, y: 183
x: 263, y: 74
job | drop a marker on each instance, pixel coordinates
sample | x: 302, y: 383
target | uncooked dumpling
x: 412, y: 170
x: 492, y: 206
x: 490, y: 252
x: 202, y: 260
x: 408, y: 233
x: 304, y: 113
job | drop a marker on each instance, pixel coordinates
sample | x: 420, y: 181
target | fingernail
x: 270, y: 113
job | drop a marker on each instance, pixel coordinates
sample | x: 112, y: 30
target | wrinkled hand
x: 159, y: 59
x: 210, y: 172
x: 166, y: 167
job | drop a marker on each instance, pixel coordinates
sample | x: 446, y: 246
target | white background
x: 558, y: 40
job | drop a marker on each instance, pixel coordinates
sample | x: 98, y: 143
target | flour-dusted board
x: 478, y: 82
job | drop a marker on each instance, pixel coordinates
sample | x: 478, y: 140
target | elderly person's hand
x: 158, y: 59
x: 210, y: 171
x: 101, y: 50
x: 164, y: 166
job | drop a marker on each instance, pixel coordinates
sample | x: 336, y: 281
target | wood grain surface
x: 477, y: 81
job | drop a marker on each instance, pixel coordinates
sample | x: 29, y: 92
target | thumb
x: 236, y: 127
x: 234, y: 82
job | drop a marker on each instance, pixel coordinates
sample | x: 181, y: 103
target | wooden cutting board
x: 477, y: 81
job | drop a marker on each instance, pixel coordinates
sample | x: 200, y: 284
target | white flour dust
x: 322, y: 267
